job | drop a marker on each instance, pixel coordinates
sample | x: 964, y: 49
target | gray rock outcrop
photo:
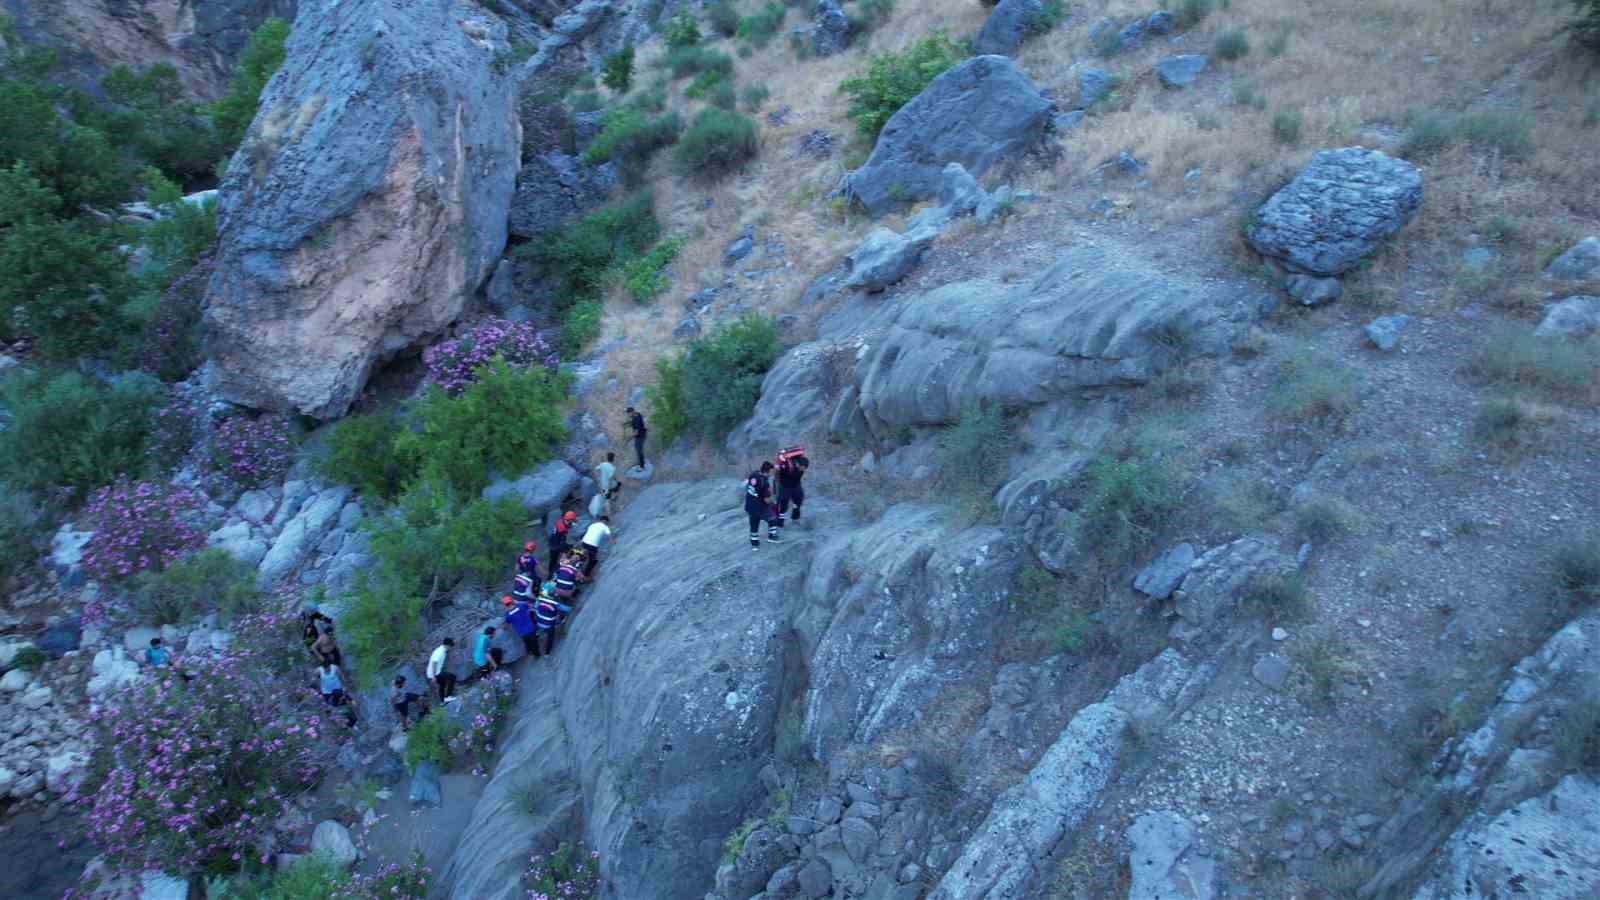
x: 830, y: 33
x: 368, y: 201
x: 1180, y: 71
x: 1007, y: 26
x: 1384, y: 331
x: 885, y: 257
x: 1546, y: 846
x: 980, y: 111
x: 1581, y: 262
x: 553, y: 188
x: 1093, y: 86
x: 1340, y: 207
x: 1163, y: 575
x: 1574, y: 317
x: 538, y: 491
x: 1161, y: 863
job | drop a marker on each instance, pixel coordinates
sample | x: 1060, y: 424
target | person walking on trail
x: 528, y: 562
x: 792, y: 466
x: 598, y: 533
x: 606, y: 474
x: 600, y: 504
x: 156, y: 656
x: 310, y: 615
x: 401, y: 699
x: 487, y: 658
x: 549, y: 613
x: 327, y: 649
x: 519, y: 615
x: 558, y: 536
x: 636, y: 423
x: 332, y: 688
x: 439, y: 674
x: 758, y: 506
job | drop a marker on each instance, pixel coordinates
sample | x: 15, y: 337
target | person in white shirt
x: 438, y: 674
x: 594, y: 538
x: 606, y: 474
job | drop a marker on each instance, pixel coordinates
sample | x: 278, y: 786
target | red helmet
x: 507, y: 601
x: 530, y: 546
x: 570, y: 516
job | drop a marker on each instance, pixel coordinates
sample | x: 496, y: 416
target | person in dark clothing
x: 520, y: 616
x: 636, y: 422
x: 326, y: 648
x: 558, y: 537
x: 528, y: 563
x: 549, y: 614
x: 401, y: 699
x: 790, y: 471
x: 310, y: 615
x: 758, y: 505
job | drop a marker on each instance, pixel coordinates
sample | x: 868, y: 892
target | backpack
x: 789, y: 453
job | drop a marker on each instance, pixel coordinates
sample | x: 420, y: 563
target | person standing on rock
x: 401, y: 699
x: 636, y: 423
x: 310, y: 615
x: 758, y: 505
x: 558, y: 536
x: 528, y: 563
x: 549, y: 614
x: 598, y: 533
x: 485, y: 657
x: 792, y: 466
x: 332, y: 688
x: 439, y: 674
x: 606, y: 474
x: 327, y: 649
x: 519, y: 615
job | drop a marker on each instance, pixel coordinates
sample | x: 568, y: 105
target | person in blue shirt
x: 485, y: 657
x: 520, y: 617
x: 549, y: 614
x: 157, y: 657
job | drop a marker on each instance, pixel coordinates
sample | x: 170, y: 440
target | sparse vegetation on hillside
x: 892, y: 79
x: 718, y: 143
x: 715, y: 384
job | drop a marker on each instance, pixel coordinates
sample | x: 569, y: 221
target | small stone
x: 1384, y: 331
x: 1364, y: 623
x: 1311, y: 290
x: 1293, y: 833
x: 1278, y: 634
x: 1271, y: 671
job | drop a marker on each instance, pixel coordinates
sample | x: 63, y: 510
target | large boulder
x: 1340, y: 207
x: 831, y: 33
x: 1574, y: 317
x: 1180, y: 71
x: 1581, y: 262
x: 1008, y: 26
x: 331, y: 841
x: 367, y: 203
x: 1546, y: 847
x: 553, y: 188
x: 1161, y: 863
x: 978, y: 112
x: 542, y: 489
x: 885, y: 257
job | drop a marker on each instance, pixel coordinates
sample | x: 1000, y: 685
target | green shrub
x: 681, y: 31
x: 580, y: 325
x: 209, y: 581
x: 70, y: 431
x: 722, y: 373
x: 704, y: 83
x: 1577, y: 567
x: 74, y: 162
x: 651, y: 99
x: 22, y: 526
x: 629, y: 138
x: 262, y: 55
x: 310, y: 877
x: 1310, y: 386
x: 1432, y: 131
x: 668, y: 401
x: 1106, y: 42
x: 1322, y: 517
x: 1502, y: 422
x: 509, y: 419
x: 359, y: 451
x: 1278, y: 595
x: 151, y: 117
x: 892, y: 79
x: 723, y: 96
x: 972, y: 457
x: 1193, y: 12
x: 1125, y: 497
x: 585, y: 101
x: 686, y: 61
x: 1512, y: 355
x: 617, y: 73
x: 1585, y: 24
x: 1050, y: 14
x: 723, y: 17
x: 759, y: 28
x: 29, y: 659
x: 581, y: 258
x: 430, y: 740
x: 1286, y: 126
x: 718, y: 143
x: 754, y: 96
x: 1232, y: 44
x: 644, y: 277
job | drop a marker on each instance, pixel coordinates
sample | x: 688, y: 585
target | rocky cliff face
x: 199, y: 37
x: 368, y: 201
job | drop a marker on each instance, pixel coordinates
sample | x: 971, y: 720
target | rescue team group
x: 544, y: 597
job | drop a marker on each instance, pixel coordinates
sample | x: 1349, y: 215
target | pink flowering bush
x: 453, y: 364
x: 570, y: 873
x: 191, y: 773
x: 172, y: 431
x: 393, y: 881
x: 248, y: 452
x: 485, y: 707
x: 140, y: 525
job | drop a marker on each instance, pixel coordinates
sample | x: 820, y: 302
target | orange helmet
x: 530, y: 546
x: 507, y: 601
x: 570, y: 516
